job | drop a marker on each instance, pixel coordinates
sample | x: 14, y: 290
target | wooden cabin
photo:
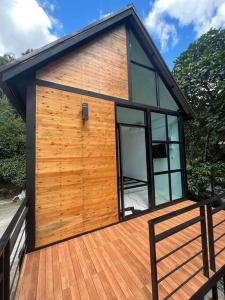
x: 106, y: 214
x: 104, y: 122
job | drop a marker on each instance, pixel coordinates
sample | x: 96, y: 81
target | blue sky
x: 173, y: 24
x: 76, y: 14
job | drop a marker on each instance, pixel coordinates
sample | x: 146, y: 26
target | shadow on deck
x: 114, y: 262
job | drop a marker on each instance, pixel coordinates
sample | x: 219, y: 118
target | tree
x: 200, y: 72
x: 12, y: 140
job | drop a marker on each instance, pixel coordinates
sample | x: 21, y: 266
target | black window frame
x: 130, y: 61
x: 149, y: 154
x: 167, y: 142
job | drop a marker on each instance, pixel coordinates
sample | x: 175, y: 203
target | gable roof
x: 15, y: 71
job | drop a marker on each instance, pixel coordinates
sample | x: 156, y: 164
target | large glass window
x: 173, y: 131
x: 166, y: 157
x: 137, y: 52
x: 145, y: 81
x: 166, y: 99
x: 176, y: 185
x: 158, y: 122
x: 174, y: 150
x: 143, y: 85
x: 162, y: 193
x: 130, y: 116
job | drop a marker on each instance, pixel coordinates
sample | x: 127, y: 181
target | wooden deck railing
x: 12, y: 250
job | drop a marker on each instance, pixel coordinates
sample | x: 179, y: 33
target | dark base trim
x: 74, y: 236
x: 116, y: 223
x: 210, y: 284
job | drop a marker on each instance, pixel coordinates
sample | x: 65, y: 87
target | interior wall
x: 76, y: 177
x: 134, y: 152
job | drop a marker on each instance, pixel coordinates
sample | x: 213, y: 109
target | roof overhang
x: 13, y: 73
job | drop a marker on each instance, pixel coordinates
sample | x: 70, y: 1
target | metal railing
x: 12, y: 250
x: 212, y: 241
x: 206, y: 212
x: 154, y: 239
x: 211, y: 226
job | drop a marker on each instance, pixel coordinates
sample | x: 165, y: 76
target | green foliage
x: 12, y: 141
x: 200, y: 72
x: 199, y: 176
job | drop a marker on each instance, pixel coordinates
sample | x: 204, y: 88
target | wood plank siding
x: 76, y: 177
x: 99, y: 66
x: 114, y: 263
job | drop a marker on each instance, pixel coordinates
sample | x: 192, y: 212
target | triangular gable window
x: 137, y: 52
x: 166, y: 100
x: 147, y: 86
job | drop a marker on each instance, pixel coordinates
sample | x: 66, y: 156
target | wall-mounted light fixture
x: 84, y: 111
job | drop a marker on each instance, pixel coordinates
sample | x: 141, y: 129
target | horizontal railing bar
x: 6, y: 235
x: 217, y: 209
x: 179, y: 266
x: 176, y: 213
x: 183, y: 283
x: 220, y: 251
x: 177, y: 228
x: 219, y: 223
x: 17, y: 229
x: 219, y: 237
x: 180, y: 247
x: 18, y: 247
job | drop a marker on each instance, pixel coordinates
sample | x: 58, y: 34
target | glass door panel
x: 133, y: 178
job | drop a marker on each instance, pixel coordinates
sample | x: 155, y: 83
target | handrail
x: 12, y: 250
x: 210, y: 212
x: 153, y: 239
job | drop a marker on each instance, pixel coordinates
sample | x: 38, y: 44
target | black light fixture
x: 84, y: 111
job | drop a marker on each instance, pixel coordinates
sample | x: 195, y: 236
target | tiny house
x: 104, y: 120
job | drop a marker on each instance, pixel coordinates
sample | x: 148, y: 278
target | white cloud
x: 201, y: 14
x: 103, y: 15
x: 26, y: 24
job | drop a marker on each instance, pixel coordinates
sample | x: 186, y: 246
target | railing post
x: 153, y: 261
x: 6, y: 272
x: 204, y: 241
x: 214, y: 293
x: 211, y: 237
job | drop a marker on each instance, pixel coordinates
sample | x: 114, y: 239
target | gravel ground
x: 7, y: 211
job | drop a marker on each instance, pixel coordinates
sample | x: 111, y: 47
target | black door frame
x: 120, y: 158
x: 149, y: 158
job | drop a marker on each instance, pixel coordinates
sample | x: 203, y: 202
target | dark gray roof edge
x: 33, y: 59
x: 70, y: 37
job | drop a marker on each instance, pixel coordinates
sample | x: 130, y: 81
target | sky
x: 173, y: 24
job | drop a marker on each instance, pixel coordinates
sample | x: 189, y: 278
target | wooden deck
x: 113, y: 263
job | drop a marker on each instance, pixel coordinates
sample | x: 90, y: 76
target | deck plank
x: 114, y: 263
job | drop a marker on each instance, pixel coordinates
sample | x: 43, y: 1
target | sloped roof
x: 12, y: 73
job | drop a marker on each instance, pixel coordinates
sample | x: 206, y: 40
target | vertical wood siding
x: 99, y: 66
x: 76, y: 178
